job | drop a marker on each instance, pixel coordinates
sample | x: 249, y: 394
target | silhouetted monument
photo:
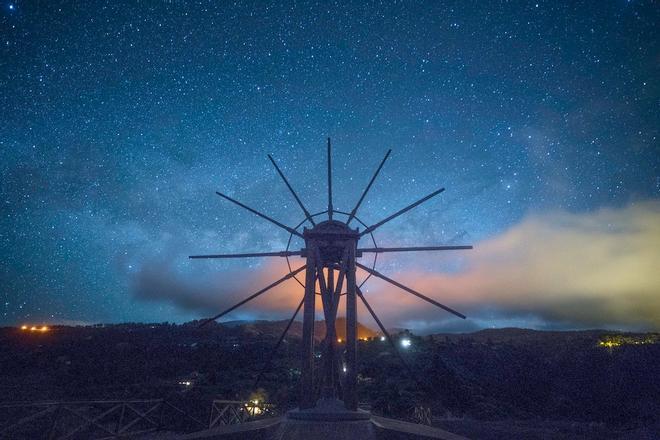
x: 328, y: 405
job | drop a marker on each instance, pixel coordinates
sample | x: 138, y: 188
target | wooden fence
x: 92, y: 419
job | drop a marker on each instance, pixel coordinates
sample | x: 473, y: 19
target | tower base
x: 328, y: 410
x: 291, y: 428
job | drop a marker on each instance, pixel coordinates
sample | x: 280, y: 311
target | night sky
x: 120, y: 120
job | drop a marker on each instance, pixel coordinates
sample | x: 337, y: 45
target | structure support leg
x: 331, y: 335
x: 350, y: 389
x: 307, y: 365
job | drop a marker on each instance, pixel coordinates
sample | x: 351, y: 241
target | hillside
x: 275, y: 329
x: 600, y: 379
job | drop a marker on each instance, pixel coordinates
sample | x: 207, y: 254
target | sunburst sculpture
x: 331, y: 248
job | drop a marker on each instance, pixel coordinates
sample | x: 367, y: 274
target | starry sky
x: 119, y: 121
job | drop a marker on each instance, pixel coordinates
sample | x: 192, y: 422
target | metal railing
x: 231, y: 412
x: 92, y: 419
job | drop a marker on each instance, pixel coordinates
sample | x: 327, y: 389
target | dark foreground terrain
x: 492, y: 384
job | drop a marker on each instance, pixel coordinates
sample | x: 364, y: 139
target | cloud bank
x: 556, y: 269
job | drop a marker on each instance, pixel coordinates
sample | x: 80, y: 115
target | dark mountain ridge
x: 577, y: 377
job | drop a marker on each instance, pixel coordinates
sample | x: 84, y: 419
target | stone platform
x: 324, y: 422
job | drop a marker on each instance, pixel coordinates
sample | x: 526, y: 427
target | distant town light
x: 339, y: 340
x: 34, y: 328
x: 382, y: 338
x: 405, y: 343
x: 253, y: 408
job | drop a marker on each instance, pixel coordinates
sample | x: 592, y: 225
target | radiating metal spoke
x: 330, y: 208
x: 248, y: 255
x: 380, y: 250
x: 264, y: 216
x: 279, y: 342
x: 351, y: 216
x: 253, y: 296
x: 295, y: 196
x: 402, y: 211
x: 409, y: 290
x: 385, y: 332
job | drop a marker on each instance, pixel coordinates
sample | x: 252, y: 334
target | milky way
x: 119, y: 120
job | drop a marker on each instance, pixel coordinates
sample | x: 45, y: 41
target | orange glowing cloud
x: 596, y: 269
x: 589, y: 269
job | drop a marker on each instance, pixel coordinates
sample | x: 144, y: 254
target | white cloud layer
x: 597, y: 269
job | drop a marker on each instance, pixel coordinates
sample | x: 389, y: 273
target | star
x: 117, y: 130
